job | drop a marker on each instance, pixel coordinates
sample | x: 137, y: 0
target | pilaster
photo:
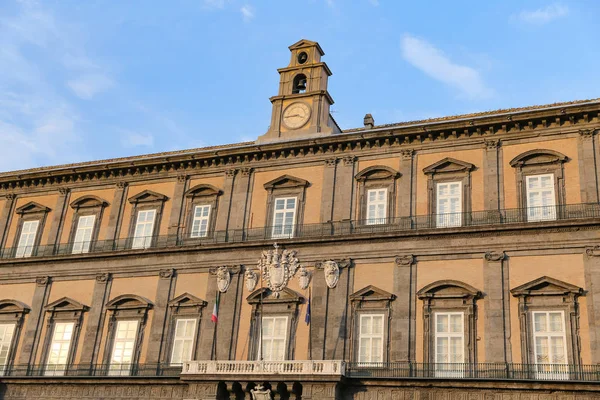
x: 33, y: 326
x: 491, y: 181
x: 402, y: 335
x: 242, y: 192
x: 57, y: 219
x: 337, y: 310
x: 405, y: 189
x: 93, y: 331
x: 116, y: 211
x: 588, y: 173
x: 495, y: 329
x: 223, y: 219
x: 164, y: 293
x: 327, y: 195
x: 344, y: 189
x: 175, y: 218
x: 592, y: 277
x: 6, y: 217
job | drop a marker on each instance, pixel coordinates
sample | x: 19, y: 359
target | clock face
x: 296, y: 115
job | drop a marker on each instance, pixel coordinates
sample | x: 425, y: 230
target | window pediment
x: 9, y: 306
x: 147, y: 196
x: 287, y: 295
x: 377, y: 172
x: 66, y: 304
x: 538, y: 157
x: 31, y: 208
x: 448, y: 165
x: 371, y: 293
x: 89, y: 201
x: 203, y: 190
x: 448, y: 289
x: 286, y: 181
x: 187, y: 300
x: 546, y: 286
x: 128, y: 302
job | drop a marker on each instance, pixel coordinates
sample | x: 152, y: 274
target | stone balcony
x: 258, y: 368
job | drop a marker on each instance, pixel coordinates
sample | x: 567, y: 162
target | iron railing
x: 87, y: 370
x: 377, y: 226
x: 487, y: 371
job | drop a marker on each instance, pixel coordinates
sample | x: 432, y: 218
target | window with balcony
x: 144, y: 229
x: 285, y: 206
x: 202, y: 203
x: 284, y: 217
x: 83, y: 234
x: 146, y: 212
x: 449, y: 204
x: 30, y: 225
x: 6, y: 339
x: 121, y: 358
x: 58, y: 356
x: 376, y: 206
x: 27, y: 238
x: 449, y: 343
x: 549, y: 343
x: 183, y: 341
x: 541, y: 199
x: 273, y: 338
x: 377, y: 194
x: 85, y: 226
x: 185, y: 315
x: 370, y: 339
x: 12, y: 314
x: 200, y: 222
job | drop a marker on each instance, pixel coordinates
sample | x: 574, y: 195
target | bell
x: 301, y: 84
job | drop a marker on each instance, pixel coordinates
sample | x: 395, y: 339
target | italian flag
x: 215, y: 314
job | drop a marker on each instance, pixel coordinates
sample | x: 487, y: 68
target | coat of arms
x: 277, y: 268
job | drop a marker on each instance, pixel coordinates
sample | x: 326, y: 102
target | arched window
x: 300, y: 84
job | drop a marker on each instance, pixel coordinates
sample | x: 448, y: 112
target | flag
x: 307, y: 316
x: 215, y: 314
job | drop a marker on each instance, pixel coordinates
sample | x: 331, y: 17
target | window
x: 541, y: 200
x: 274, y: 337
x: 370, y: 338
x: 123, y: 346
x: 449, y: 344
x: 183, y: 341
x: 27, y: 238
x: 83, y: 235
x: 284, y: 217
x: 550, y: 347
x: 376, y: 206
x: 200, y: 221
x: 144, y: 228
x: 59, y: 349
x: 449, y: 200
x: 6, y: 336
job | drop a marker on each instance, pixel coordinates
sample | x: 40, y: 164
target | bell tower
x: 301, y: 108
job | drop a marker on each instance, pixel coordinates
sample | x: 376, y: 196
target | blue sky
x: 84, y: 80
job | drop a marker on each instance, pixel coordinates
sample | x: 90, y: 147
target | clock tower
x: 301, y: 109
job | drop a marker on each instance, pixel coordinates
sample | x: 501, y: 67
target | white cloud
x: 87, y: 86
x: 247, y: 13
x: 135, y: 139
x: 542, y: 15
x: 437, y: 65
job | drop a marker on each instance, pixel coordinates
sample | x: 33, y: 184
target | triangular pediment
x: 304, y: 43
x: 265, y: 295
x: 448, y: 165
x: 9, y: 306
x: 128, y: 301
x: 147, y: 196
x: 66, y: 304
x: 187, y: 300
x: 546, y: 286
x: 286, y: 181
x: 203, y: 190
x: 371, y: 293
x: 538, y: 157
x: 448, y: 289
x: 89, y: 201
x: 32, y: 207
x: 377, y: 172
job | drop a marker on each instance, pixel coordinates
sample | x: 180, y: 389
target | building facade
x: 449, y: 258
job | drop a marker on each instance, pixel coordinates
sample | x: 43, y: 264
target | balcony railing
x: 87, y: 370
x: 532, y: 215
x: 263, y: 368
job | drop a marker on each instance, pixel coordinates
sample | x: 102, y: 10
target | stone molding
x: 405, y: 261
x: 593, y: 251
x: 103, y: 277
x: 494, y: 256
x: 42, y: 280
x: 166, y: 273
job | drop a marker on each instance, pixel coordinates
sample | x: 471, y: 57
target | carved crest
x: 223, y: 279
x: 332, y: 273
x: 277, y: 268
x: 303, y: 277
x: 251, y: 279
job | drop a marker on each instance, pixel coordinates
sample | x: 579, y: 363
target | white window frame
x: 368, y: 337
x: 284, y: 230
x: 447, y: 219
x: 83, y: 235
x: 200, y: 220
x: 60, y: 347
x: 544, y: 212
x: 267, y: 341
x: 550, y: 370
x: 379, y: 205
x: 143, y: 241
x: 178, y: 359
x: 27, y: 238
x: 120, y: 367
x: 449, y: 369
x: 7, y: 332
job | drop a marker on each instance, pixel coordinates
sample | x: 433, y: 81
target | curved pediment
x: 287, y: 295
x: 448, y: 165
x: 88, y: 201
x: 147, y: 196
x: 9, y: 306
x: 66, y: 304
x: 32, y: 207
x: 203, y: 190
x: 128, y: 301
x: 448, y: 289
x: 377, y: 172
x: 546, y: 286
x: 286, y: 181
x: 371, y: 293
x: 538, y: 157
x: 187, y: 300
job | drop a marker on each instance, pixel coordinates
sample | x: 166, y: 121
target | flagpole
x: 260, y: 322
x: 215, y: 319
x: 309, y: 325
